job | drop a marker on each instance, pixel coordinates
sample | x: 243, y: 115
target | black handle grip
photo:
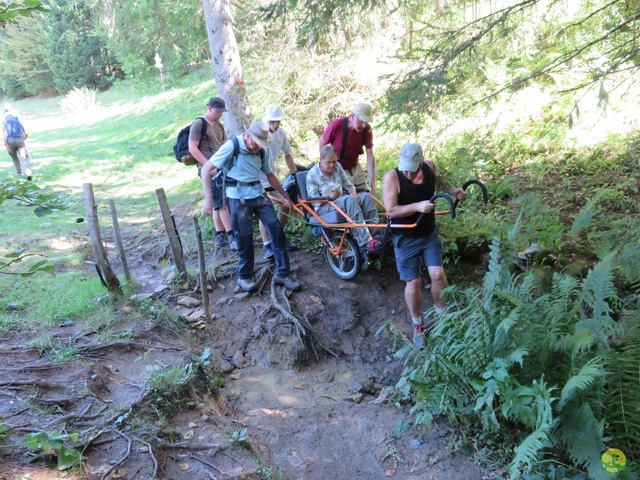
x: 485, y: 196
x: 433, y: 199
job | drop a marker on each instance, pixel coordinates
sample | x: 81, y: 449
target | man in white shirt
x: 280, y: 145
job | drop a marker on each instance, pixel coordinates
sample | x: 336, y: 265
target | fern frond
x: 597, y: 288
x: 527, y: 451
x: 623, y: 389
x: 589, y: 373
x: 583, y: 436
x: 584, y: 216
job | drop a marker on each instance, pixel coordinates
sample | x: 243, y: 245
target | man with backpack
x: 350, y: 135
x: 14, y: 135
x: 241, y: 159
x: 205, y: 137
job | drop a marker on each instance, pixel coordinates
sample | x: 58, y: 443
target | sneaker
x: 246, y: 284
x: 221, y: 240
x: 268, y: 251
x: 292, y: 247
x: 288, y: 281
x: 373, y: 246
x: 231, y: 240
x: 419, y: 339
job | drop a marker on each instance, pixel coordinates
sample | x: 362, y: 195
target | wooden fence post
x: 172, y: 233
x: 203, y: 271
x: 109, y: 279
x: 118, y: 239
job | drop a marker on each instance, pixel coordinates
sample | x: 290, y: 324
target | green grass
x: 124, y: 150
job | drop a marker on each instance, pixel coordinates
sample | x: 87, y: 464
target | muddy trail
x: 280, y: 384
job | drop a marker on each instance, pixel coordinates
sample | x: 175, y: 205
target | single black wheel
x: 345, y: 261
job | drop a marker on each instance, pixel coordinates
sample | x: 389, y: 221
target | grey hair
x: 327, y: 151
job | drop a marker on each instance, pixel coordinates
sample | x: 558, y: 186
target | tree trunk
x: 226, y: 65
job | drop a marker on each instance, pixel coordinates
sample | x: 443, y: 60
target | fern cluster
x: 517, y: 355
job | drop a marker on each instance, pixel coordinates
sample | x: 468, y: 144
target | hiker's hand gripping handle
x: 485, y: 197
x: 452, y: 206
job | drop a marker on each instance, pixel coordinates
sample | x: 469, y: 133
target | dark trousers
x: 242, y: 224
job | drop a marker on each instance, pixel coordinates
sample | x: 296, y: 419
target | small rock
x: 141, y: 296
x: 326, y: 377
x: 238, y: 359
x: 237, y: 376
x: 196, y: 315
x: 204, y: 418
x: 188, y: 302
x: 185, y: 312
x: 160, y: 288
x: 390, y: 473
x: 226, y: 367
x: 356, y: 397
x: 184, y: 466
x: 188, y: 435
x: 200, y: 438
x: 415, y: 443
x: 193, y: 425
x: 295, y: 461
x: 347, y: 347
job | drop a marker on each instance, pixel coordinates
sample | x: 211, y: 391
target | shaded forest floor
x: 280, y: 384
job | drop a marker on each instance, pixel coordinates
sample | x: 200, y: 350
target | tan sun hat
x: 259, y: 131
x: 363, y: 112
x: 273, y: 114
x: 411, y: 157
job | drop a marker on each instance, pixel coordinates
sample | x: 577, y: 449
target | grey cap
x: 411, y: 157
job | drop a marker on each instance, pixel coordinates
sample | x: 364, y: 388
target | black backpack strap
x: 345, y: 133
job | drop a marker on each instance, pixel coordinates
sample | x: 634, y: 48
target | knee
x: 413, y: 286
x: 437, y: 275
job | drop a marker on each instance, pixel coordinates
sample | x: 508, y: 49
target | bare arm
x: 205, y: 173
x: 275, y: 183
x: 371, y: 169
x: 196, y: 153
x: 390, y: 188
x: 292, y: 166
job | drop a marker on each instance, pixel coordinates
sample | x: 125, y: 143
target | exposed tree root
x: 303, y: 329
x: 119, y: 462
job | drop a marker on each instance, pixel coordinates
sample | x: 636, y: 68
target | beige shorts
x: 357, y: 176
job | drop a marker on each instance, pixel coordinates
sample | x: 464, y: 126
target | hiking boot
x: 231, y: 240
x: 221, y: 240
x: 292, y: 247
x: 268, y: 251
x: 246, y: 284
x: 419, y: 340
x: 288, y: 281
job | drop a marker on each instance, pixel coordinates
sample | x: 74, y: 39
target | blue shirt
x: 246, y: 169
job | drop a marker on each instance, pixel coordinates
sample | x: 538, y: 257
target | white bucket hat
x: 273, y: 114
x: 259, y: 131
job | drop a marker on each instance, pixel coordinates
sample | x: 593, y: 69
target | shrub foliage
x: 534, y: 362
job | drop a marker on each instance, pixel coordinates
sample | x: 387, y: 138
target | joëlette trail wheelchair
x: 341, y: 251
